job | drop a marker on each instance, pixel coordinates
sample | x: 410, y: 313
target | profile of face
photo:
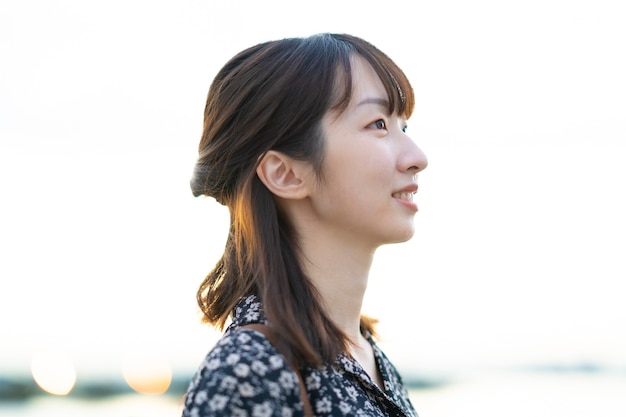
x: 369, y: 173
x: 343, y: 124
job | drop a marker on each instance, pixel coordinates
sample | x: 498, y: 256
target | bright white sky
x: 519, y: 252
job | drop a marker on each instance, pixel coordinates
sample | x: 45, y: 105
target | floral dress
x: 244, y: 376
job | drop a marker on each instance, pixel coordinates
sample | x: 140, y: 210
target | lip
x: 412, y: 188
x: 408, y: 189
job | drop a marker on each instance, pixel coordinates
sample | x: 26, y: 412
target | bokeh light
x: 53, y: 371
x: 148, y: 373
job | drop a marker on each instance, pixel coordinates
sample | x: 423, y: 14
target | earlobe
x: 282, y: 175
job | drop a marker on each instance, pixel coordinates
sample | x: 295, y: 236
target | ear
x: 284, y: 176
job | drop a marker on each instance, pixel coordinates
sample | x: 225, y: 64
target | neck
x: 339, y: 270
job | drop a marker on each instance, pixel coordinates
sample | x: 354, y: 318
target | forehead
x: 355, y: 80
x: 366, y: 84
x: 365, y: 92
x: 362, y: 69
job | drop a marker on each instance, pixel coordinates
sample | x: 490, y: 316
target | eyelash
x: 376, y: 124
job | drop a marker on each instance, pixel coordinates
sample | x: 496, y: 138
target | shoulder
x: 242, y: 375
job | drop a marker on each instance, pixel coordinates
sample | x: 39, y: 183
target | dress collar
x: 248, y: 310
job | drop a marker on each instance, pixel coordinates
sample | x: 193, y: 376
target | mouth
x: 404, y: 195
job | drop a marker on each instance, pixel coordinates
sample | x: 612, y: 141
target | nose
x: 411, y: 158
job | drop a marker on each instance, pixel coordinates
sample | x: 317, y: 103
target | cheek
x: 378, y: 165
x: 358, y: 162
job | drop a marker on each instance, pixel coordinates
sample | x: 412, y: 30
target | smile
x: 406, y: 196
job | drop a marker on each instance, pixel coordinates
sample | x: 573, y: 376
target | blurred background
x: 509, y: 300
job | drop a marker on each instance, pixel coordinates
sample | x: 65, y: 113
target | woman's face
x: 370, y: 167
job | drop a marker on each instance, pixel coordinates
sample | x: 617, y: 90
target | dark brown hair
x: 273, y: 96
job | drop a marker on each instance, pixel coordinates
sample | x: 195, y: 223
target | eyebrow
x: 378, y: 101
x: 375, y: 100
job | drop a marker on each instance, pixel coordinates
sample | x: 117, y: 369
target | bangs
x: 397, y: 86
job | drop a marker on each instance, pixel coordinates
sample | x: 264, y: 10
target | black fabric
x: 244, y: 375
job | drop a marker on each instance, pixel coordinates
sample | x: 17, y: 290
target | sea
x: 493, y: 394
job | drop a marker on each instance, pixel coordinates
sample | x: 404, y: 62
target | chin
x: 406, y: 238
x: 403, y: 235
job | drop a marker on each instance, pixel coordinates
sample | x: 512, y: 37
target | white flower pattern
x: 244, y: 376
x: 262, y: 410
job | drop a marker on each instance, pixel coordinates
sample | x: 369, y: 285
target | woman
x: 304, y: 141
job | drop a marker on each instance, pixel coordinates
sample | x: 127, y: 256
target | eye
x: 379, y: 124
